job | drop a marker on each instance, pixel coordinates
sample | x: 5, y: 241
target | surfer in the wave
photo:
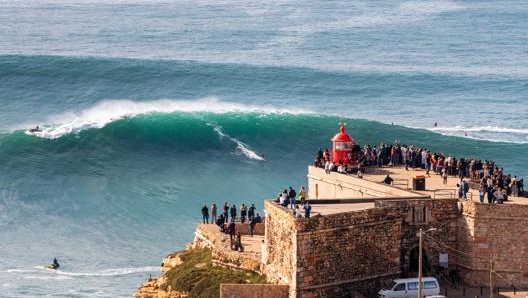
x: 54, y: 265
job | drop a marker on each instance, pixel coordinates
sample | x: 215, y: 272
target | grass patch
x: 200, y: 278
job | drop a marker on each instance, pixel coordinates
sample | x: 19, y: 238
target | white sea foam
x: 47, y: 277
x: 109, y: 272
x: 24, y: 270
x: 41, y: 272
x: 241, y: 146
x: 485, y: 133
x: 459, y: 128
x: 108, y: 111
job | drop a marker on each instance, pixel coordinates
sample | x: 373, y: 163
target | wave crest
x: 486, y: 133
x: 112, y: 110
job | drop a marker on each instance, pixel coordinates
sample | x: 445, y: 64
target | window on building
x: 419, y: 214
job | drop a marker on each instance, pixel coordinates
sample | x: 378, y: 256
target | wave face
x: 146, y: 114
x: 71, y: 94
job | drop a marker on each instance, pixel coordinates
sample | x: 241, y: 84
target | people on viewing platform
x: 233, y: 212
x: 307, y: 208
x: 237, y: 243
x: 220, y: 221
x: 463, y: 189
x: 292, y: 195
x: 252, y: 225
x: 226, y: 211
x: 251, y: 212
x: 297, y: 212
x: 214, y: 210
x: 243, y: 213
x: 302, y: 195
x: 227, y: 224
x: 231, y: 228
x: 477, y: 171
x: 493, y: 185
x: 283, y: 198
x: 205, y: 214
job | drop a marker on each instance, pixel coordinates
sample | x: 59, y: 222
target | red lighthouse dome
x: 342, y: 147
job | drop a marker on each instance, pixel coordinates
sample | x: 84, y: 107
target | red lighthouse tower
x: 343, y: 147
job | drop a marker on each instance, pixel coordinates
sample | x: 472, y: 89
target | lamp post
x: 420, y: 233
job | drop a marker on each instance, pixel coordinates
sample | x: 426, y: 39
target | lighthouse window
x: 343, y: 146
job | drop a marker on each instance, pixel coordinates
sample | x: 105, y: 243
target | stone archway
x: 413, y: 262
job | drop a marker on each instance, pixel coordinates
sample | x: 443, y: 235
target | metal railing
x: 444, y: 194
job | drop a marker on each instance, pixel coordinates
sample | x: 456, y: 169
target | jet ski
x: 35, y: 129
x: 54, y: 265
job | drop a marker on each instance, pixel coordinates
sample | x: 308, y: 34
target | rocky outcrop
x: 170, y: 261
x: 219, y: 254
x: 159, y: 287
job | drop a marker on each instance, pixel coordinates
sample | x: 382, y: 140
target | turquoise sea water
x: 150, y: 109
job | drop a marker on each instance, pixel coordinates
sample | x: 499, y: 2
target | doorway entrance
x: 413, y: 262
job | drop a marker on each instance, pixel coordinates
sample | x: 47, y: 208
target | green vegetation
x: 200, y: 278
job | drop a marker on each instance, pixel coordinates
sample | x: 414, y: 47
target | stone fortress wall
x: 363, y: 234
x: 494, y: 236
x: 334, y: 255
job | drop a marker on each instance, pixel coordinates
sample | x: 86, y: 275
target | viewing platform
x: 363, y: 192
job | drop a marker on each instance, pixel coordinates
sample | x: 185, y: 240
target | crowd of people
x: 227, y: 217
x: 288, y: 198
x: 492, y: 180
x: 230, y: 213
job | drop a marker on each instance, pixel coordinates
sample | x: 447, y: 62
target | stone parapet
x: 322, y: 185
x: 209, y: 236
x: 235, y: 260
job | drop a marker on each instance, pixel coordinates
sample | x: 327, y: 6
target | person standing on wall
x: 307, y: 208
x: 252, y: 225
x: 302, y: 195
x: 233, y: 213
x: 251, y: 212
x: 243, y: 213
x: 205, y: 214
x: 214, y: 210
x: 231, y: 228
x: 293, y: 196
x: 226, y: 211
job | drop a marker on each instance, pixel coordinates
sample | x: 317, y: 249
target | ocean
x: 150, y: 109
